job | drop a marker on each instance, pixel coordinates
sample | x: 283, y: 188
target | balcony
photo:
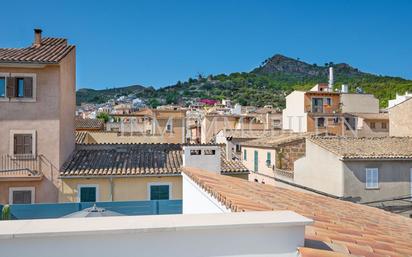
x: 21, y: 167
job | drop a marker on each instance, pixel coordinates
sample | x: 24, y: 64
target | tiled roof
x: 367, y: 148
x: 81, y: 137
x: 102, y: 137
x: 275, y: 140
x: 50, y: 51
x: 134, y: 160
x: 88, y: 124
x: 250, y: 134
x: 340, y: 228
x: 372, y: 116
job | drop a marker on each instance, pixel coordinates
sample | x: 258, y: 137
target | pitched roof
x: 340, y: 228
x: 88, y: 124
x: 250, y: 134
x: 134, y: 160
x: 372, y: 116
x: 276, y: 140
x: 103, y: 137
x: 50, y: 51
x: 367, y: 148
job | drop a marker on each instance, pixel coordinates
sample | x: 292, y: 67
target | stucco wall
x: 320, y: 170
x: 365, y: 103
x: 124, y: 189
x: 294, y: 116
x: 394, y: 180
x: 262, y: 156
x: 400, y: 122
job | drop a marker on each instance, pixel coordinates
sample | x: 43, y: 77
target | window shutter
x: 18, y: 144
x: 28, y: 144
x: 11, y: 87
x: 28, y: 87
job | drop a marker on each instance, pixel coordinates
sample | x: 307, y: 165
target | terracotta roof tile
x: 340, y: 228
x: 367, y: 148
x: 51, y: 51
x: 134, y: 159
x: 84, y: 124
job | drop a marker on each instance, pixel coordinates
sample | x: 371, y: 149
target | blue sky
x: 156, y: 43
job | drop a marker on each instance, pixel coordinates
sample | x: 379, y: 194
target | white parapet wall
x: 259, y: 234
x: 197, y: 200
x: 205, y: 157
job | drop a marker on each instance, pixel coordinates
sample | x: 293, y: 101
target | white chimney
x: 37, y: 37
x: 345, y: 88
x: 203, y: 157
x: 330, y: 79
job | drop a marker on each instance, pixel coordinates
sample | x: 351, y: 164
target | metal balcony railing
x: 19, y: 165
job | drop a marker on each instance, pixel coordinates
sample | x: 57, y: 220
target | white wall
x: 211, y: 163
x: 259, y: 234
x: 320, y: 170
x: 197, y: 200
x: 294, y: 116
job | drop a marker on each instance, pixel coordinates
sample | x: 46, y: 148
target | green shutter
x: 256, y: 161
x: 159, y: 192
x: 88, y: 194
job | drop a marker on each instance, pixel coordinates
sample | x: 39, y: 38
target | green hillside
x: 267, y: 84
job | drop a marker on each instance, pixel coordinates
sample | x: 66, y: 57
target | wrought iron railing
x: 19, y: 164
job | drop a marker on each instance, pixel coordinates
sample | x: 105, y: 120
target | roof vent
x: 37, y: 37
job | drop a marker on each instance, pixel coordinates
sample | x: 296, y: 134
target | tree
x: 104, y: 116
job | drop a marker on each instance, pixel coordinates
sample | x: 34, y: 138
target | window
x: 159, y: 191
x: 372, y: 178
x: 256, y: 160
x: 268, y: 159
x: 329, y: 101
x: 169, y: 126
x: 2, y: 86
x: 209, y: 152
x: 23, y: 144
x: 320, y: 122
x: 20, y: 87
x: 244, y: 154
x: 88, y: 193
x: 372, y: 125
x: 21, y: 195
x: 237, y: 148
x: 195, y: 152
x: 384, y: 125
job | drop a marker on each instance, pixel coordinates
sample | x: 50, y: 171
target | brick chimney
x: 37, y: 37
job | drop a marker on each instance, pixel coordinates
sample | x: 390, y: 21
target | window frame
x: 149, y: 191
x: 20, y: 99
x: 372, y: 125
x: 33, y: 144
x: 4, y: 75
x: 384, y: 125
x: 372, y: 185
x: 244, y: 154
x: 268, y: 159
x: 80, y: 186
x: 13, y: 189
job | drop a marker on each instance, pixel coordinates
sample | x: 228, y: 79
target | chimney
x: 37, y: 37
x: 203, y: 157
x: 330, y: 79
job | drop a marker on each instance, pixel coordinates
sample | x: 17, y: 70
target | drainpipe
x: 111, y: 188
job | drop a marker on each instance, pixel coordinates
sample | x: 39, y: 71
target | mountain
x: 267, y: 84
x: 87, y: 95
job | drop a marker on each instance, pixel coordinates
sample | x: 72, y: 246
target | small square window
x: 195, y: 152
x: 159, y: 192
x: 210, y: 152
x: 23, y: 144
x: 88, y: 194
x: 384, y: 125
x: 372, y: 125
